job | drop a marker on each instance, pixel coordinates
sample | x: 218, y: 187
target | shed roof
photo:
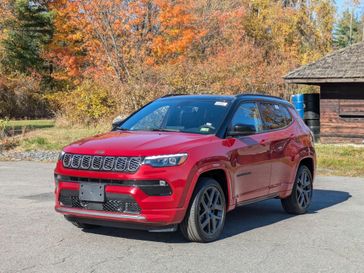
x: 344, y: 65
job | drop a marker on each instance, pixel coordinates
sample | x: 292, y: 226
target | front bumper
x: 155, y: 211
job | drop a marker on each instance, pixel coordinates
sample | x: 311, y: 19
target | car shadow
x: 240, y: 220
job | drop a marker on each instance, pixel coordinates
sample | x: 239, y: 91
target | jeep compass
x: 185, y: 161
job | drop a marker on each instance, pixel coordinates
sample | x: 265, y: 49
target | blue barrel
x: 298, y: 103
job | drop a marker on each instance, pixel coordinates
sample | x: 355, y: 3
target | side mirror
x: 242, y: 130
x: 116, y: 123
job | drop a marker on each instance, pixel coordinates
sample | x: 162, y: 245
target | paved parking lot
x: 257, y: 238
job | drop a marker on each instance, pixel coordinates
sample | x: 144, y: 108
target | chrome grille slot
x: 96, y: 163
x: 76, y: 161
x: 108, y: 163
x: 134, y: 164
x: 121, y: 163
x: 86, y: 162
x: 67, y: 160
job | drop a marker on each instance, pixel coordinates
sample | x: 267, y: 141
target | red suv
x: 187, y: 160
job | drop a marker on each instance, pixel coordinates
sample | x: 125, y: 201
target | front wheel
x: 300, y: 199
x: 205, y: 218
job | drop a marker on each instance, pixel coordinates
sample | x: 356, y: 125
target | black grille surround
x: 149, y: 187
x: 101, y: 163
x: 121, y: 203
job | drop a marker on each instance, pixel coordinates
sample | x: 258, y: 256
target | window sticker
x: 221, y: 103
x: 204, y: 129
x: 276, y: 106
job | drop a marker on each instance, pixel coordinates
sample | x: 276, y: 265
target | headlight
x: 61, y: 154
x: 165, y: 160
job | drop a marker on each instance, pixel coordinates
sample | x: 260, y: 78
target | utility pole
x: 362, y: 23
x: 351, y: 26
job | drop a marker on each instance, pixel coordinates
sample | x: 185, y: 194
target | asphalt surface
x: 257, y: 238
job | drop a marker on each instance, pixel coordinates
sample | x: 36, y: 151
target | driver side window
x: 248, y: 114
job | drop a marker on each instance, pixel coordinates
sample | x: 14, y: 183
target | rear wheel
x: 205, y: 218
x: 300, y: 199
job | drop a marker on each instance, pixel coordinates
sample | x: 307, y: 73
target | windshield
x: 200, y: 116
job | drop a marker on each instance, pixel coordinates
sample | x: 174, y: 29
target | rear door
x: 250, y: 156
x: 277, y: 122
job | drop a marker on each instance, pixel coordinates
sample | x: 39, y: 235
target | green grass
x: 32, y: 124
x: 345, y: 160
x: 55, y: 138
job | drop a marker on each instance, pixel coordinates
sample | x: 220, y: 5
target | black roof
x: 246, y: 96
x: 200, y: 96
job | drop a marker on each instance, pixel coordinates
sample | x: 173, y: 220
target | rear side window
x: 274, y: 116
x: 287, y: 115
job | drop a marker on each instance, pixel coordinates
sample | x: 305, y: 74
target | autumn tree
x: 121, y: 39
x: 67, y: 51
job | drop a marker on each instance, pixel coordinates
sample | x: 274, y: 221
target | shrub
x: 20, y: 97
x: 87, y: 104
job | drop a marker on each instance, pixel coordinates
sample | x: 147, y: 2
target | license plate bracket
x: 92, y: 192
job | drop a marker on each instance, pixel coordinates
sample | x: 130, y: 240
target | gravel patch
x: 44, y: 156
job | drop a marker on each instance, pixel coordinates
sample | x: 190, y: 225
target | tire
x: 80, y: 225
x: 205, y: 218
x: 315, y: 129
x: 312, y: 122
x: 311, y: 115
x: 300, y: 199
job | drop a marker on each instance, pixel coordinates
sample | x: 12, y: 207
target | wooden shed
x: 340, y: 76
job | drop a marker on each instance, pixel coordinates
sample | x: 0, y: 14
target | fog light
x: 162, y: 183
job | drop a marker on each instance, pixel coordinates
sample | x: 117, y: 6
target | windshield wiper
x: 122, y: 129
x: 163, y: 130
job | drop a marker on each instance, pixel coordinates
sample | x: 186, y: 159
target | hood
x: 138, y: 143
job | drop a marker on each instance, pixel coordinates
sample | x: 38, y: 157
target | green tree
x: 348, y: 30
x: 26, y: 35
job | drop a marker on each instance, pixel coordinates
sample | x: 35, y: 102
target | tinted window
x: 248, y: 114
x: 274, y: 116
x: 286, y: 114
x: 201, y: 116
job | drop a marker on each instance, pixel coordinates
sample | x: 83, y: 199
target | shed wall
x: 342, y: 113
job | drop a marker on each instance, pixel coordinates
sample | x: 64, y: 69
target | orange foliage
x: 120, y: 36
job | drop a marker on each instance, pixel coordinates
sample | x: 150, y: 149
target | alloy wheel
x: 211, y: 211
x: 304, y: 189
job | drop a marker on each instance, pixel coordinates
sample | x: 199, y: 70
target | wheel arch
x: 221, y: 175
x: 309, y: 163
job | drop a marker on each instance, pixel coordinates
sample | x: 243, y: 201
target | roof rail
x: 258, y: 94
x: 172, y: 95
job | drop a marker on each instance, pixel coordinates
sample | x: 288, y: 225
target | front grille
x: 101, y: 163
x: 114, y: 202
